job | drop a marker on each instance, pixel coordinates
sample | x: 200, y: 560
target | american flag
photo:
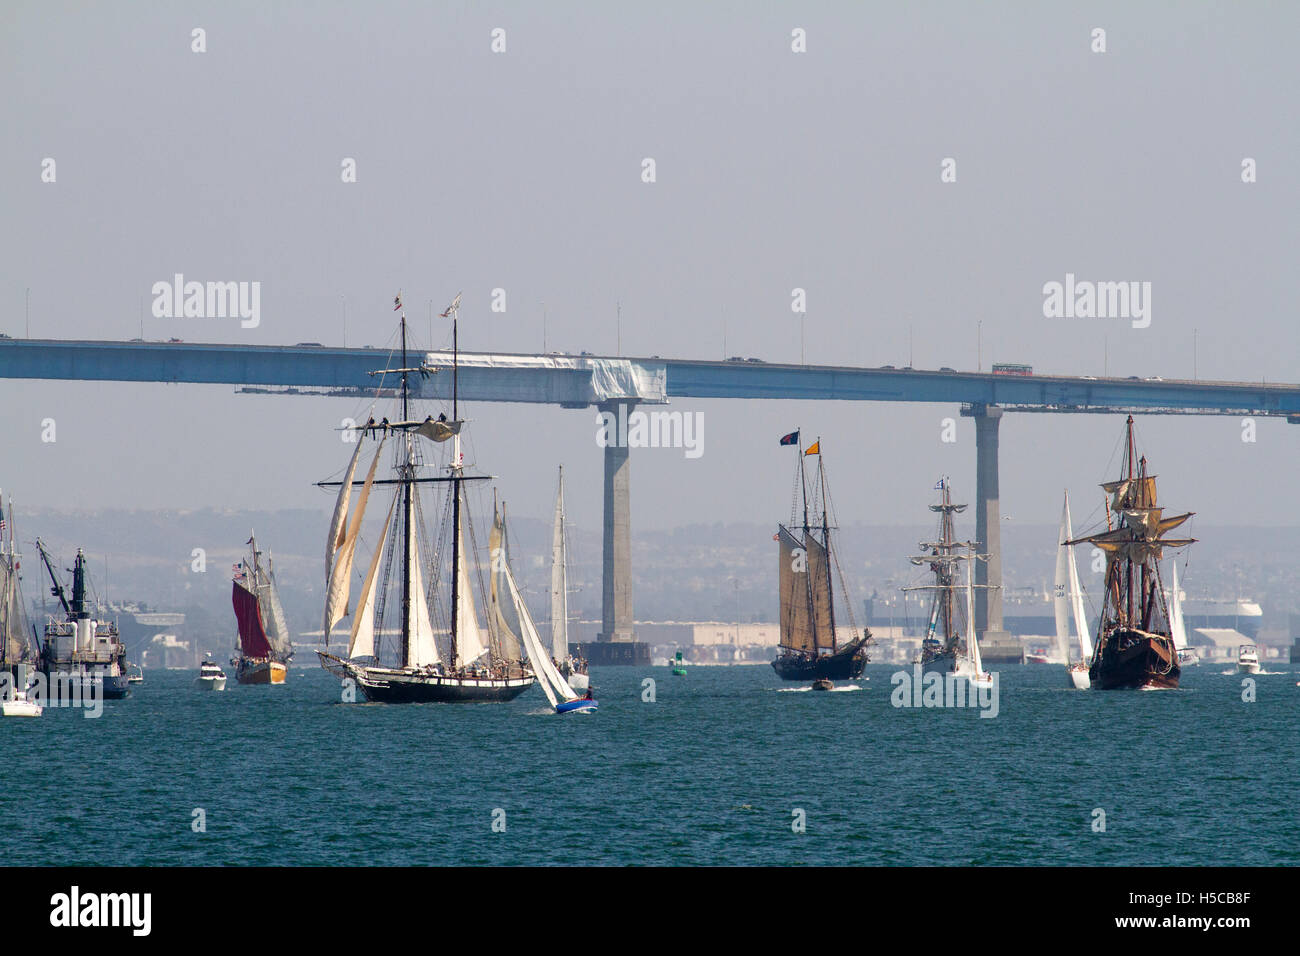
x: 238, y: 571
x: 2, y: 518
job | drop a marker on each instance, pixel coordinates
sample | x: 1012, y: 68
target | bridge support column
x: 996, y: 645
x: 616, y: 599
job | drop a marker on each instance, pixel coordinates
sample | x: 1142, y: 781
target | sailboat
x: 265, y: 648
x: 474, y: 663
x: 977, y: 676
x: 16, y: 645
x: 1187, y: 655
x: 80, y: 650
x: 810, y: 648
x: 949, y: 645
x: 573, y: 669
x: 1134, y: 646
x: 1067, y: 600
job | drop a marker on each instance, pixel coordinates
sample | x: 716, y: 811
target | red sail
x: 252, y: 635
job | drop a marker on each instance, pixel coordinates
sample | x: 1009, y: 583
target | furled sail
x: 554, y: 685
x: 796, y: 615
x: 559, y: 580
x: 362, y: 640
x: 340, y: 576
x: 248, y: 613
x: 503, y: 622
x: 469, y: 637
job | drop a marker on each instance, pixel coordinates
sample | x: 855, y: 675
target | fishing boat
x: 17, y: 645
x: 1187, y: 655
x: 823, y: 684
x: 471, y: 662
x: 80, y: 651
x: 810, y: 648
x: 574, y: 669
x: 134, y: 673
x: 949, y: 645
x: 1247, y: 659
x: 211, y: 676
x: 265, y: 648
x: 1134, y: 647
x: 1073, y: 644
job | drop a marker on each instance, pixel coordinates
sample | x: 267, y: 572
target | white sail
x: 559, y: 580
x: 339, y: 581
x: 972, y: 642
x: 1060, y: 587
x: 470, y: 643
x: 1177, y: 629
x: 554, y: 685
x: 338, y: 523
x: 362, y: 641
x: 1076, y: 603
x: 423, y: 649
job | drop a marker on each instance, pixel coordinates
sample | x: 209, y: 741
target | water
x: 710, y: 773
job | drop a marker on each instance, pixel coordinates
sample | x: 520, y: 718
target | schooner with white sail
x: 410, y: 660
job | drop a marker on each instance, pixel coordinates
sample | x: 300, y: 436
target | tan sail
x: 340, y: 578
x: 820, y: 582
x: 501, y: 611
x: 796, y: 615
x: 362, y: 640
x: 338, y: 523
x: 469, y: 636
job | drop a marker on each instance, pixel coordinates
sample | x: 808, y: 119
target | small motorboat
x: 211, y: 676
x: 823, y: 683
x: 1247, y: 659
x: 134, y: 675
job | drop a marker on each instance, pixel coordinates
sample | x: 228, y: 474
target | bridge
x: 616, y: 384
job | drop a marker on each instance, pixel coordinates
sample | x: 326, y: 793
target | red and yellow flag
x: 814, y: 449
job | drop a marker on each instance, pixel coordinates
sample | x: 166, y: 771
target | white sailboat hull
x: 21, y: 707
x: 1079, y: 678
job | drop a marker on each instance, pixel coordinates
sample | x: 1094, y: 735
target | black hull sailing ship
x: 810, y: 648
x: 1135, y: 647
x: 265, y: 647
x: 460, y: 662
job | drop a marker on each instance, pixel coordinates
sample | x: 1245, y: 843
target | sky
x: 775, y: 170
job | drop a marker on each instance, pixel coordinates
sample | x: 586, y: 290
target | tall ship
x: 810, y: 648
x: 80, y: 649
x: 265, y: 647
x: 409, y: 642
x: 1135, y: 646
x: 1073, y: 644
x: 18, y: 649
x: 949, y: 645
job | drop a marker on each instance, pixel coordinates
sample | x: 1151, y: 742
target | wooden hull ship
x: 1135, y: 647
x: 810, y: 649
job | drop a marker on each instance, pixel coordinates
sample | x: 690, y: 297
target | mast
x: 455, y: 474
x: 826, y: 540
x: 406, y: 520
x: 1128, y: 562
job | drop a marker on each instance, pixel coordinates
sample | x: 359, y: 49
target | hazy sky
x: 522, y: 170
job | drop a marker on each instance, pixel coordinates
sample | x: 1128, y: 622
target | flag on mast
x: 814, y: 449
x: 790, y: 439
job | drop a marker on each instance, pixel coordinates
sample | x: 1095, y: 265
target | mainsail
x: 339, y: 575
x: 470, y: 645
x: 972, y: 640
x: 362, y: 640
x: 1068, y: 596
x: 503, y: 621
x: 1177, y: 628
x: 554, y: 685
x: 559, y: 580
x: 796, y: 607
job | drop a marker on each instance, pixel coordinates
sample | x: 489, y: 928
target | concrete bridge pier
x: 616, y: 642
x: 996, y: 644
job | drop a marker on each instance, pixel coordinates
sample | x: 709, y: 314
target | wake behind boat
x: 470, y: 663
x: 810, y: 649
